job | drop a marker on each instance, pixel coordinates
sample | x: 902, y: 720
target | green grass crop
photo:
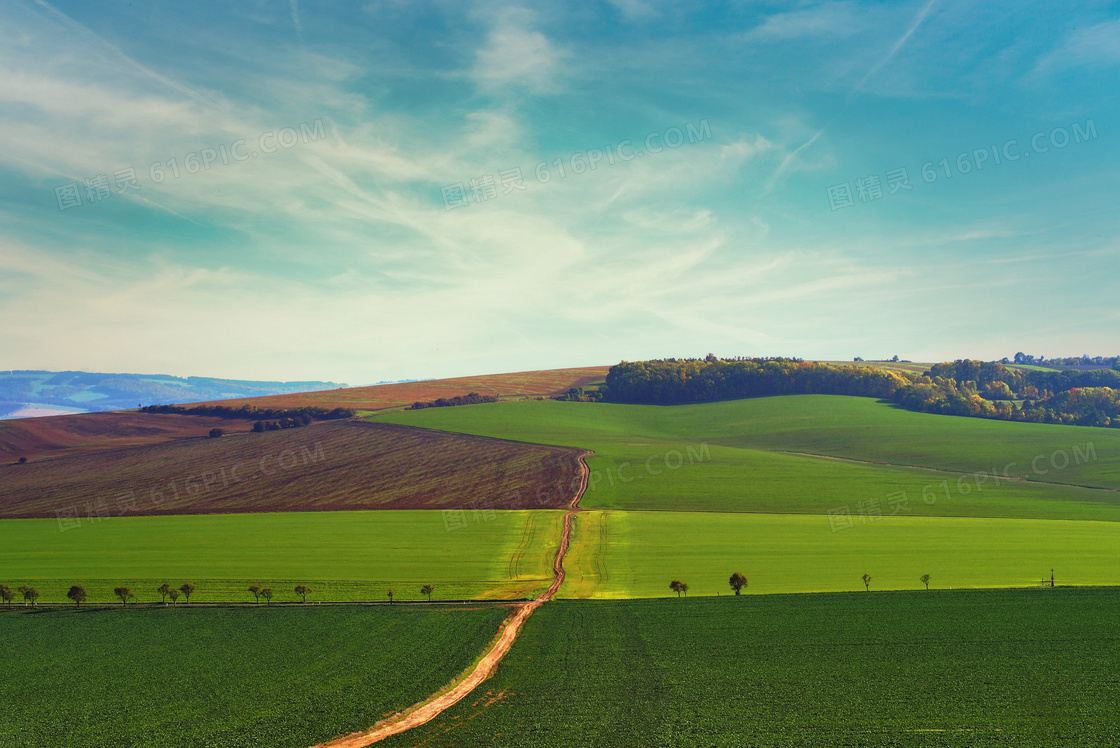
x: 224, y: 677
x: 637, y: 554
x: 778, y: 454
x: 344, y: 555
x: 1024, y: 668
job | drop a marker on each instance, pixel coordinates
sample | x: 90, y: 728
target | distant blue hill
x: 44, y: 392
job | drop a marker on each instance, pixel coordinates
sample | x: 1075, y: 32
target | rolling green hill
x: 779, y: 454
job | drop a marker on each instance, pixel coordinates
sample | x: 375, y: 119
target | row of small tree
x: 79, y: 595
x: 266, y: 592
x: 30, y: 594
x: 739, y: 580
x: 924, y: 579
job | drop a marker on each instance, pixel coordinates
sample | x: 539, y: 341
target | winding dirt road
x: 428, y: 710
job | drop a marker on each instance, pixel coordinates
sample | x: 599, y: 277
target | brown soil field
x: 335, y: 465
x: 59, y: 436
x: 381, y: 396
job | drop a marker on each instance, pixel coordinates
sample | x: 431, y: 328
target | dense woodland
x: 964, y: 387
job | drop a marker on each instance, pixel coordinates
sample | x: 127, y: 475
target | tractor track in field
x: 435, y: 705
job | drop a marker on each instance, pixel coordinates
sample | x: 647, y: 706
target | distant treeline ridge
x: 964, y: 387
x: 305, y: 413
x: 472, y: 398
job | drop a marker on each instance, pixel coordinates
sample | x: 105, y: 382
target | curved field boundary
x: 522, y: 547
x: 428, y: 710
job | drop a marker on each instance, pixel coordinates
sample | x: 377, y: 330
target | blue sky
x: 336, y: 233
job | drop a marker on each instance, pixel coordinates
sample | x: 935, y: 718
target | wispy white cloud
x: 1092, y: 47
x: 515, y: 56
x: 838, y: 19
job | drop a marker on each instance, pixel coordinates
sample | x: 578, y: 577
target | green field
x: 1023, y: 668
x: 343, y: 555
x: 224, y: 677
x: 636, y: 554
x: 779, y: 454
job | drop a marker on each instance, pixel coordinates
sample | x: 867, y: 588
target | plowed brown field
x: 380, y: 396
x: 335, y: 465
x: 59, y: 436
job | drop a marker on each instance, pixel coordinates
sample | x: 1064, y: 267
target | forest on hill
x: 963, y: 387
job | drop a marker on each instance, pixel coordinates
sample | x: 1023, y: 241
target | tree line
x: 304, y: 413
x: 964, y: 387
x: 675, y: 381
x: 78, y: 593
x: 738, y: 582
x: 1085, y: 360
x: 995, y: 390
x: 472, y: 398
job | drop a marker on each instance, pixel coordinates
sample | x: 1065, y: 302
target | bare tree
x: 163, y: 591
x: 303, y: 591
x: 867, y: 581
x: 255, y: 589
x: 187, y: 589
x: 925, y: 580
x: 738, y: 581
x: 78, y: 594
x: 123, y: 593
x: 427, y: 589
x: 266, y: 593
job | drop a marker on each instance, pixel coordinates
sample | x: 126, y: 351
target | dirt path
x: 428, y: 710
